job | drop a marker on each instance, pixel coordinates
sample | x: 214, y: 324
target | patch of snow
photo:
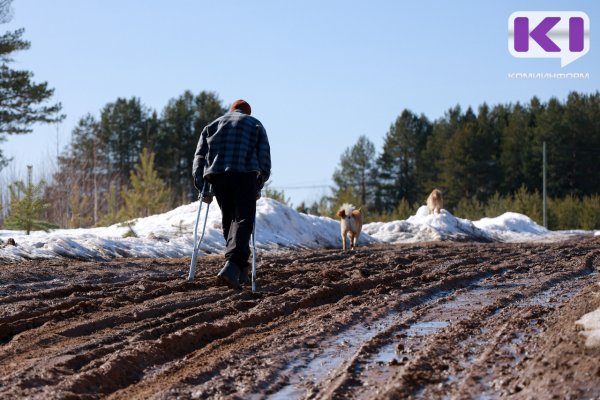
x: 591, y: 328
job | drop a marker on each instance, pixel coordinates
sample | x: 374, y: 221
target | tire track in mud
x: 106, y: 322
x: 190, y: 337
x: 310, y: 340
x: 484, y: 328
x: 402, y: 335
x: 246, y: 384
x: 147, y: 333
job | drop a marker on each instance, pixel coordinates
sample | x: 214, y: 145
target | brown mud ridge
x: 431, y: 321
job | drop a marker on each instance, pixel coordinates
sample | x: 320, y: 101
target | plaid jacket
x: 235, y: 142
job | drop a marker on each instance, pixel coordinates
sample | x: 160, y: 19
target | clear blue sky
x: 318, y: 74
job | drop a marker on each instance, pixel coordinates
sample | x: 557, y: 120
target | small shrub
x: 564, y: 213
x: 469, y: 208
x: 130, y: 232
x: 589, y: 214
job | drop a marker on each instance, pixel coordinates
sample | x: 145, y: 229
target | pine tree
x: 514, y: 150
x: 319, y: 208
x: 400, y: 161
x: 431, y: 156
x: 564, y: 213
x: 589, y: 214
x: 78, y: 204
x: 528, y: 203
x: 469, y: 159
x: 356, y: 171
x: 182, y: 121
x: 302, y: 208
x: 148, y: 194
x: 583, y: 144
x: 122, y: 134
x: 277, y: 195
x: 112, y: 208
x: 22, y: 102
x: 403, y: 210
x: 27, y: 206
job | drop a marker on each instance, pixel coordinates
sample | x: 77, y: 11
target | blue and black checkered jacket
x: 234, y: 142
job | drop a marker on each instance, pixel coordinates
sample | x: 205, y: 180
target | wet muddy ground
x: 432, y: 321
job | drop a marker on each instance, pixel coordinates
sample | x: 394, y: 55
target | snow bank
x: 171, y: 235
x: 278, y: 226
x: 511, y: 222
x: 508, y: 227
x: 514, y: 227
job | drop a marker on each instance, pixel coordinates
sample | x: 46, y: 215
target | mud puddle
x: 403, y: 345
x: 314, y: 368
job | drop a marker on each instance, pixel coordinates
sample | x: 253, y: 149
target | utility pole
x: 544, y: 184
x: 94, y: 172
x: 57, y: 148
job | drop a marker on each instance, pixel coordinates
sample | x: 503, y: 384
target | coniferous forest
x: 127, y: 160
x: 129, y: 154
x: 486, y: 162
x: 130, y: 161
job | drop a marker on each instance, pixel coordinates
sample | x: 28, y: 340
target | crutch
x: 196, y: 241
x: 254, y: 254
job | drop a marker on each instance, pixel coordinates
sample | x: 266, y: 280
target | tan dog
x: 435, y: 201
x: 350, y: 223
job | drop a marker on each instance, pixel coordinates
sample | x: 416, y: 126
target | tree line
x: 95, y: 183
x: 130, y: 161
x: 479, y: 159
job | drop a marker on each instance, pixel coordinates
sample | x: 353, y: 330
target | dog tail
x: 345, y: 210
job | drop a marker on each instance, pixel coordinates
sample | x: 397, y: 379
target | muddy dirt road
x: 437, y: 320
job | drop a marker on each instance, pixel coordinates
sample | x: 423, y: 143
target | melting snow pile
x: 591, y: 328
x: 278, y: 226
x: 508, y: 227
x: 171, y: 235
x: 426, y: 227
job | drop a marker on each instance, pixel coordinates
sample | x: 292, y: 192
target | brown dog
x: 435, y: 201
x: 350, y: 223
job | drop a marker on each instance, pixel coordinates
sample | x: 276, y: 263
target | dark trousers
x: 236, y: 196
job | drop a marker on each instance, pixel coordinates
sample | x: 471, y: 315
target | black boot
x: 230, y: 275
x: 244, y: 275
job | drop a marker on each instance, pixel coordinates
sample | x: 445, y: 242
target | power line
x: 301, y: 187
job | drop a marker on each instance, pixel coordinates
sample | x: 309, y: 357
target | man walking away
x: 233, y: 155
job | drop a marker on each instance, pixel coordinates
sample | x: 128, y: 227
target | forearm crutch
x: 254, y: 254
x: 196, y: 241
